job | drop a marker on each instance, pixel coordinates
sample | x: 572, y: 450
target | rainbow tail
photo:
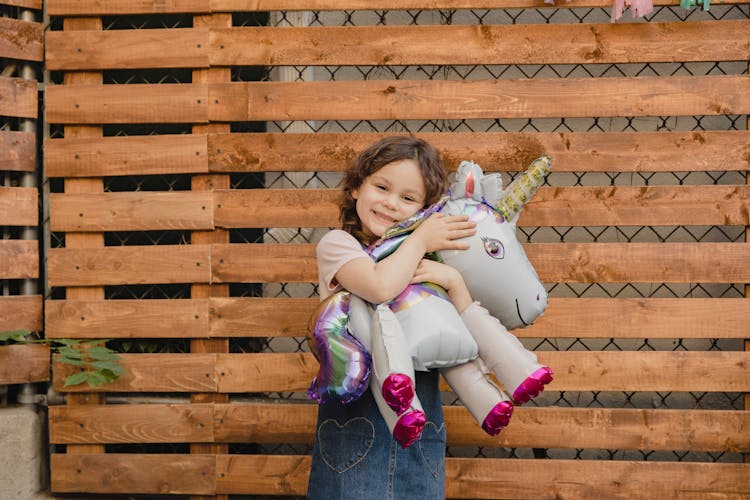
x: 344, y: 363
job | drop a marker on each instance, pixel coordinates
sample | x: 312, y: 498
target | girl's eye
x: 380, y: 187
x: 494, y: 248
x: 409, y: 199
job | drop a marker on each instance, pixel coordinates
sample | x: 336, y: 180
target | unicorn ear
x: 467, y: 181
x: 492, y: 185
x: 522, y: 189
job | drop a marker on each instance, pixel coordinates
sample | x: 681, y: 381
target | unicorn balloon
x: 355, y: 341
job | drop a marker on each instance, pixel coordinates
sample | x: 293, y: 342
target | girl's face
x: 389, y: 195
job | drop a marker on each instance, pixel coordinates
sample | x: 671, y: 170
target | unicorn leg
x: 486, y: 402
x: 392, y: 365
x: 515, y: 367
x: 405, y: 427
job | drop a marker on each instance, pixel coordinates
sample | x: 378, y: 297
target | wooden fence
x: 208, y: 424
x: 21, y: 44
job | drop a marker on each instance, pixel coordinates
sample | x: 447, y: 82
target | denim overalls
x: 356, y: 458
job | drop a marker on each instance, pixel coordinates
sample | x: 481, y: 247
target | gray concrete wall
x: 23, y: 454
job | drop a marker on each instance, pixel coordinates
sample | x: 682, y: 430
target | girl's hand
x: 441, y: 232
x: 448, y: 278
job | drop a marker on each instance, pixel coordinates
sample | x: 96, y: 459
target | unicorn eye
x: 494, y: 248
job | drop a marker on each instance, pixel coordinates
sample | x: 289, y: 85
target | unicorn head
x: 495, y: 267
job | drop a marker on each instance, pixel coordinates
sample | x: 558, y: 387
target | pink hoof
x: 409, y: 427
x: 498, y: 418
x: 398, y: 392
x: 533, y: 385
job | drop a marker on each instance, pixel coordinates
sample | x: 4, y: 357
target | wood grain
x: 129, y: 265
x: 22, y: 40
x: 133, y: 473
x: 17, y: 151
x: 18, y: 97
x: 21, y: 312
x: 151, y: 373
x: 155, y: 318
x: 494, y: 151
x: 131, y: 211
x: 146, y: 423
x: 134, y: 103
x: 292, y: 372
x: 468, y: 99
x: 122, y: 49
x: 24, y: 364
x: 550, y: 206
x: 554, y: 262
x: 19, y: 259
x: 99, y: 8
x: 479, y: 44
x: 19, y: 206
x: 127, y: 155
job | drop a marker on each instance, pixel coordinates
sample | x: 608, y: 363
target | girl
x: 354, y: 455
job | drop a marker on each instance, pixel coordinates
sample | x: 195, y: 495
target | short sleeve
x: 334, y: 250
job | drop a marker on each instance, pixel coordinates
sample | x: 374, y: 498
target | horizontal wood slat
x: 273, y: 263
x: 505, y: 151
x: 21, y: 40
x: 29, y: 4
x: 551, y: 206
x: 465, y: 477
x: 17, y: 151
x: 133, y: 473
x: 21, y: 312
x: 19, y: 206
x: 24, y: 363
x: 146, y: 423
x: 99, y: 8
x: 156, y: 318
x: 140, y: 48
x: 129, y: 155
x: 18, y: 97
x: 399, y: 45
x: 554, y: 262
x: 681, y: 371
x: 467, y: 99
x: 398, y: 99
x: 131, y: 211
x: 129, y: 264
x: 19, y: 259
x: 134, y: 103
x: 552, y: 427
x: 152, y: 373
x: 478, y: 44
x: 248, y: 317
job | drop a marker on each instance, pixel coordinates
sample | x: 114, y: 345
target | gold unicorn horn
x: 514, y: 197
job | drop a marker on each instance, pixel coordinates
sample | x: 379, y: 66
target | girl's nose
x: 390, y: 202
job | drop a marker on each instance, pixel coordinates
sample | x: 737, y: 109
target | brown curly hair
x: 379, y: 155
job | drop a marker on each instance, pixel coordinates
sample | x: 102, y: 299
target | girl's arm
x: 447, y: 277
x: 380, y: 282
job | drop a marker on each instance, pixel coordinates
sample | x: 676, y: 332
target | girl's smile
x: 389, y: 195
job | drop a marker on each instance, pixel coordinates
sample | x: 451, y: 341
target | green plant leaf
x: 102, y: 354
x: 108, y: 365
x: 14, y: 335
x: 76, y: 378
x: 69, y: 352
x: 71, y: 361
x: 95, y: 379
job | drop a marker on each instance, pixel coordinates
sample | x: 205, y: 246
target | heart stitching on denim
x: 349, y: 443
x: 431, y: 435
